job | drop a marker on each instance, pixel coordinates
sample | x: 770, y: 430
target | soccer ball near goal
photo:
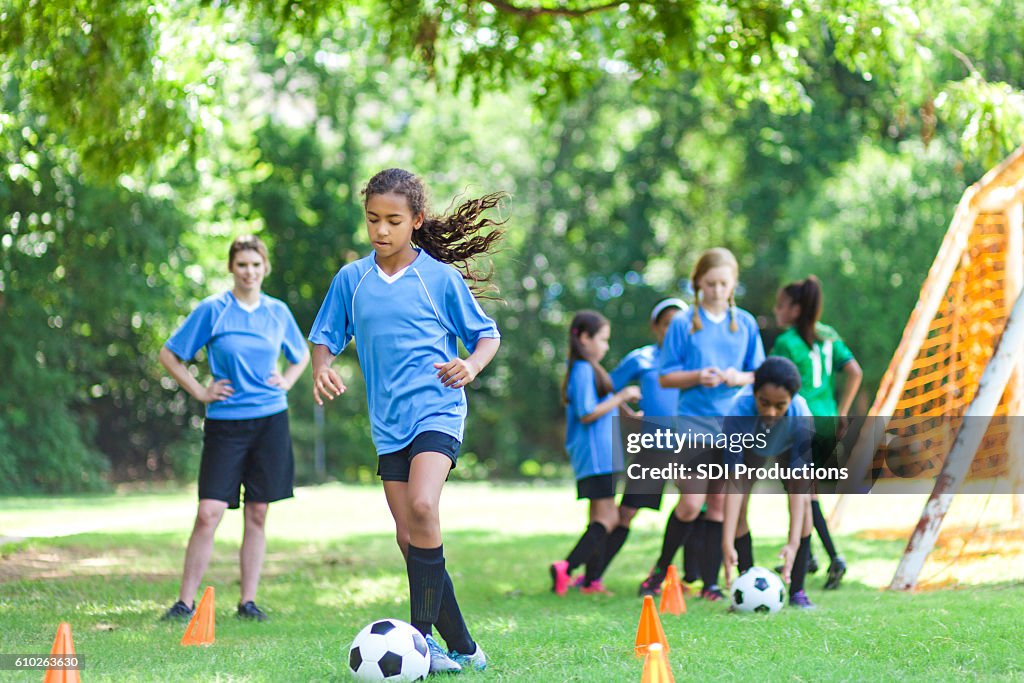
x: 758, y: 590
x: 389, y: 650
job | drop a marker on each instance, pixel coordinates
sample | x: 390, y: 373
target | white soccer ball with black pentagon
x: 389, y: 650
x: 758, y: 590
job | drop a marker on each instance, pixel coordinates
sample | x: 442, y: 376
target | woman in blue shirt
x: 246, y: 439
x: 407, y: 307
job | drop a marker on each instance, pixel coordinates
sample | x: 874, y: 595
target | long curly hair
x: 452, y: 238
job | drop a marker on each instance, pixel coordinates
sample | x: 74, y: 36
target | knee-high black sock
x: 426, y: 585
x: 596, y: 562
x: 676, y: 533
x: 745, y: 552
x: 821, y: 526
x: 799, y: 571
x: 450, y: 624
x: 693, y: 549
x: 712, y: 560
x: 613, y: 545
x: 585, y: 547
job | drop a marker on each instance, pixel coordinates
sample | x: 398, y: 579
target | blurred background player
x: 818, y: 352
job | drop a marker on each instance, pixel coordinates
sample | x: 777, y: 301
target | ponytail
x: 453, y: 238
x: 807, y: 295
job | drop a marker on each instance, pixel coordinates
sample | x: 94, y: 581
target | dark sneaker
x: 652, y: 584
x: 836, y: 571
x: 250, y: 611
x: 712, y: 594
x: 800, y: 599
x: 179, y: 611
x: 440, y: 661
x: 812, y: 564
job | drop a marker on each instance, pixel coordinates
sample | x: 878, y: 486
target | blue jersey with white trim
x: 402, y: 325
x: 243, y: 347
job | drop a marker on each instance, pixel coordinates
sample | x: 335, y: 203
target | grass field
x: 110, y: 565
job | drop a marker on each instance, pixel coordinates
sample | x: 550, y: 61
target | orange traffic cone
x: 62, y: 647
x: 200, y: 629
x: 650, y: 630
x: 656, y: 668
x: 672, y: 599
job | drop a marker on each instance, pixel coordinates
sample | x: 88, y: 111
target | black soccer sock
x: 585, y: 547
x: 821, y: 526
x: 613, y: 545
x: 426, y: 586
x: 693, y: 549
x: 799, y: 571
x: 450, y: 624
x: 745, y: 552
x: 676, y: 533
x: 712, y: 557
x: 596, y: 562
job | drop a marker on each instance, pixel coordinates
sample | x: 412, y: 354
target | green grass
x: 333, y: 566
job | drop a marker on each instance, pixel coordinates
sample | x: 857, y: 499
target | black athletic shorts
x: 645, y: 493
x: 597, y: 486
x: 254, y: 453
x: 395, y: 466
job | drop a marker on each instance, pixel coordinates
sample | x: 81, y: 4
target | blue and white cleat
x: 440, y: 662
x: 477, y: 660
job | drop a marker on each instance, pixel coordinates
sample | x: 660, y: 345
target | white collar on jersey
x: 716, y: 318
x: 390, y: 278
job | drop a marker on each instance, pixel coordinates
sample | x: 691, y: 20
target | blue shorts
x: 395, y: 466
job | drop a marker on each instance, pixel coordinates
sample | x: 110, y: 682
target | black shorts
x: 254, y: 453
x: 645, y: 493
x: 395, y: 466
x: 597, y: 486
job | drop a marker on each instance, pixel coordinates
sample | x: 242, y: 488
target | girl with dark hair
x: 407, y: 304
x: 818, y: 352
x: 246, y: 438
x: 775, y: 412
x: 590, y: 409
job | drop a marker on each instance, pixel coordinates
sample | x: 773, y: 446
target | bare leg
x: 254, y: 546
x: 200, y: 547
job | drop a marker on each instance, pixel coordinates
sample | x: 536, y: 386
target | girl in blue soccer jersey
x: 246, y: 440
x: 640, y: 366
x: 779, y: 418
x: 407, y: 309
x: 708, y: 355
x: 590, y: 409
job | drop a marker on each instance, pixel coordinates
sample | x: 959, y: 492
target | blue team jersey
x: 641, y: 366
x: 242, y: 347
x: 789, y: 436
x: 712, y: 346
x: 402, y: 325
x: 589, y: 445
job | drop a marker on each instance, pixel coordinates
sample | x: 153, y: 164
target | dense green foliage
x: 134, y: 143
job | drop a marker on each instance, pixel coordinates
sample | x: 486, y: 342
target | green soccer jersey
x: 817, y: 365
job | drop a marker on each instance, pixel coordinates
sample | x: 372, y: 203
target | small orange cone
x: 656, y: 668
x: 650, y: 630
x: 672, y: 599
x: 62, y: 647
x: 200, y: 629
